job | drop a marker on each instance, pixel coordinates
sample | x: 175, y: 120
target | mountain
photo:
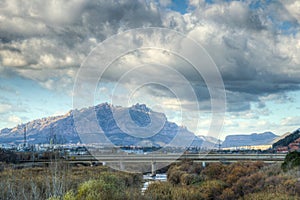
x: 287, y: 140
x: 42, y: 130
x: 114, y: 123
x: 210, y: 139
x: 249, y: 140
x: 281, y: 137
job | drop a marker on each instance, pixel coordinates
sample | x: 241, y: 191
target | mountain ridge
x: 62, y: 127
x: 252, y: 139
x: 287, y: 139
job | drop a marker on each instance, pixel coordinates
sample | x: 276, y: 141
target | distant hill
x: 61, y: 129
x: 281, y: 137
x: 249, y: 140
x: 289, y: 138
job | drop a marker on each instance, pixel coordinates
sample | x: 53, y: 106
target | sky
x: 255, y: 46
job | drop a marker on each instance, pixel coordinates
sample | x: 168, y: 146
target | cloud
x: 14, y: 119
x: 293, y: 8
x: 165, y: 2
x: 47, y: 41
x: 254, y: 59
x: 277, y: 98
x: 256, y: 54
x: 291, y: 121
x: 7, y: 89
x: 5, y: 108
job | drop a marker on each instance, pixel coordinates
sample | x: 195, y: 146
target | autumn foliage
x: 186, y: 181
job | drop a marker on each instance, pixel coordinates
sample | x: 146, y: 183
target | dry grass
x: 45, y: 182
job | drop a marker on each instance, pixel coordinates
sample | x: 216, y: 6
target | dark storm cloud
x: 256, y: 55
x: 46, y: 41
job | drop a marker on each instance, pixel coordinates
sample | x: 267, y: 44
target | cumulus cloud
x: 47, y: 41
x: 254, y: 59
x: 256, y: 50
x: 14, y: 119
x: 291, y: 121
x: 293, y: 6
x: 4, y: 108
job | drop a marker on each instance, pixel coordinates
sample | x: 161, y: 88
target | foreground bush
x: 269, y: 196
x: 186, y: 181
x: 234, y: 181
x: 185, y: 173
x: 107, y: 187
x: 60, y: 181
x: 292, y: 160
x: 167, y: 191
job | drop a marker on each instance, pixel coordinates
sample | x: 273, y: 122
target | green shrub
x: 291, y: 161
x: 107, y: 187
x: 159, y: 191
x: 69, y: 196
x: 212, y: 189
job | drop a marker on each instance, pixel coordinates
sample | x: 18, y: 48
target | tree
x: 214, y: 171
x: 159, y: 191
x: 212, y: 189
x: 291, y: 160
x: 7, y: 156
x: 107, y: 187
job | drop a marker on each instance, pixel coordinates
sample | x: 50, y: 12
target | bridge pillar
x: 122, y: 168
x: 203, y: 164
x: 153, y: 168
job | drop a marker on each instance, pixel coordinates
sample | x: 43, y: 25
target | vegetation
x: 287, y: 140
x: 186, y: 181
x: 234, y: 181
x: 7, y: 156
x: 291, y: 161
x: 61, y: 181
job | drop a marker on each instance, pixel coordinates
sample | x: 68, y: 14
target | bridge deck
x: 169, y: 158
x: 173, y: 157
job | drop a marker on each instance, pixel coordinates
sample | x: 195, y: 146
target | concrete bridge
x: 170, y: 157
x: 269, y: 158
x: 155, y: 159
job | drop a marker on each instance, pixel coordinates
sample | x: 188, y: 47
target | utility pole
x: 25, y: 136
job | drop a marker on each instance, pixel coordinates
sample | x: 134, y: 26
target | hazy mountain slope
x: 287, y: 139
x: 281, y: 137
x: 63, y: 128
x: 252, y: 139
